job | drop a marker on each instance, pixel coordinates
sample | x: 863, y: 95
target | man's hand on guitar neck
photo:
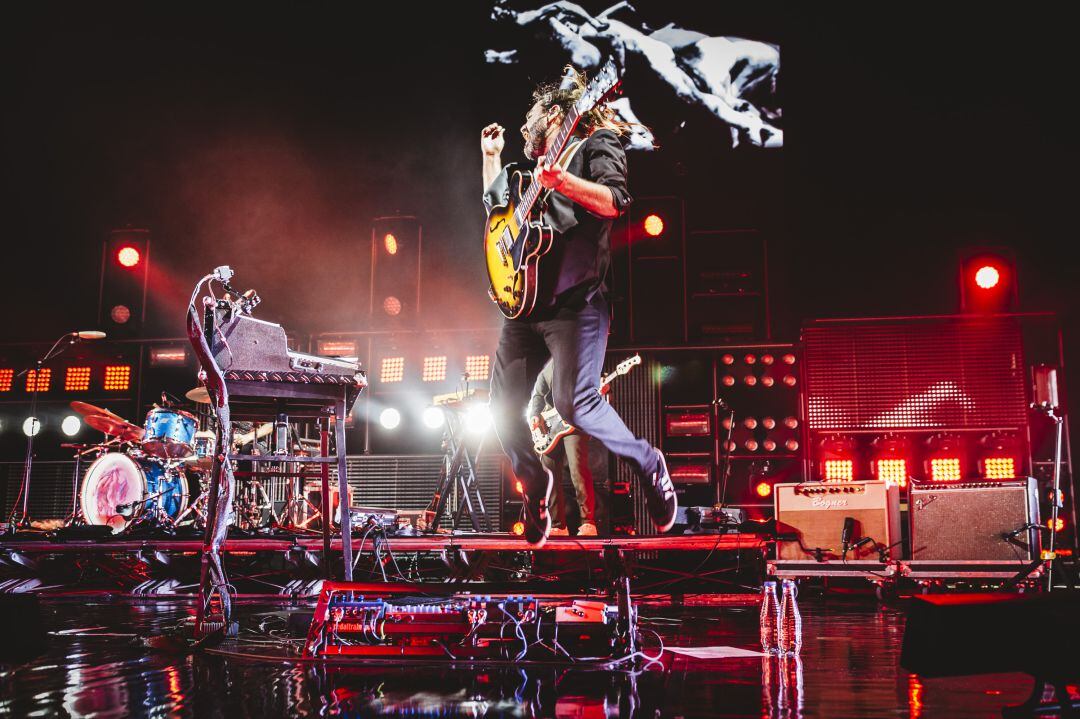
x: 594, y: 197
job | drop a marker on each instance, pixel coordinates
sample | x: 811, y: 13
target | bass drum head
x: 111, y: 480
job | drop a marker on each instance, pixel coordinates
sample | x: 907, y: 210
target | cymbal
x: 116, y: 427
x: 198, y: 394
x: 86, y: 409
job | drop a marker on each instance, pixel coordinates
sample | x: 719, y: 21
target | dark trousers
x: 572, y: 450
x: 576, y: 339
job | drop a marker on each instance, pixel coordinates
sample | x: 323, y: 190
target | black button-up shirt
x: 576, y: 266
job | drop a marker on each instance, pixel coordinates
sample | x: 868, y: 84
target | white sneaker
x: 587, y: 529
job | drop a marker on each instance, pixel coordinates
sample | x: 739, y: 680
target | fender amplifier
x: 816, y: 513
x: 975, y: 521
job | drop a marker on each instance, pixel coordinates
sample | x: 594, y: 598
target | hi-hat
x: 115, y: 427
x: 198, y: 394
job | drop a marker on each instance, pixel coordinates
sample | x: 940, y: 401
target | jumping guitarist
x: 569, y: 323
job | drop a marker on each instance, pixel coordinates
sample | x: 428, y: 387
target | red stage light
x: 391, y: 244
x: 999, y: 468
x: 839, y: 470
x: 7, y: 376
x: 41, y: 381
x: 518, y: 529
x: 392, y: 369
x: 519, y: 487
x: 654, y: 225
x: 763, y: 489
x: 892, y: 471
x: 987, y: 277
x: 945, y: 469
x: 434, y: 369
x: 77, y: 379
x: 117, y: 378
x: 1056, y: 527
x: 128, y: 256
x: 392, y: 306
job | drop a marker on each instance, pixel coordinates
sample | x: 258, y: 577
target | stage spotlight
x: 389, y: 418
x: 77, y: 379
x: 653, y: 225
x: 118, y: 378
x: 31, y: 427
x: 433, y: 417
x: 889, y: 462
x: 7, y: 378
x: 71, y: 425
x: 478, y: 366
x: 390, y: 243
x: 999, y: 456
x: 518, y: 529
x: 836, y: 458
x: 478, y: 418
x: 987, y: 277
x: 128, y: 256
x: 39, y: 380
x: 120, y: 314
x: 763, y: 489
x: 434, y: 369
x: 392, y: 369
x: 392, y: 306
x: 1056, y: 527
x: 944, y: 458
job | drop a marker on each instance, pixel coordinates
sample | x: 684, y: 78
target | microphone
x: 846, y: 532
x: 89, y: 334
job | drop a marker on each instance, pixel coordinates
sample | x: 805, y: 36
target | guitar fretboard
x: 525, y: 207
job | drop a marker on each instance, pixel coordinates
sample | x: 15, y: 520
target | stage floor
x: 96, y: 665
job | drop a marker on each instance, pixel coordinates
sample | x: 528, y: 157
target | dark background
x: 268, y: 138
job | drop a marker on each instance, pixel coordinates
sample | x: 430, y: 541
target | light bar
x: 167, y: 356
x: 945, y: 469
x: 117, y: 378
x: 999, y: 468
x: 892, y: 471
x: 336, y: 348
x: 7, y: 376
x: 77, y: 379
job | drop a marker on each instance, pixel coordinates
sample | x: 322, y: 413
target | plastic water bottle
x: 790, y: 621
x: 770, y: 619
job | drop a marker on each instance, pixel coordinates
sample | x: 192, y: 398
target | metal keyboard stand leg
x: 458, y: 472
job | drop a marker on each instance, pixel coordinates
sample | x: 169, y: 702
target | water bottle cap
x: 771, y: 583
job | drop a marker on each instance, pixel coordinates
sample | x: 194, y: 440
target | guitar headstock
x: 603, y: 83
x: 624, y: 366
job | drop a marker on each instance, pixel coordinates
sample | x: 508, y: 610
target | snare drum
x: 169, y: 433
x: 115, y: 480
x: 204, y: 445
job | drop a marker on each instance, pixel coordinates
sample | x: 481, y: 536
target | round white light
x: 433, y: 417
x: 478, y: 418
x: 71, y: 425
x: 389, y: 418
x: 31, y: 426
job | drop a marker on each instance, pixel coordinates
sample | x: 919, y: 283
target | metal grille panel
x: 915, y: 375
x: 637, y: 401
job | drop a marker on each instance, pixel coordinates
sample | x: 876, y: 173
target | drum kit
x: 144, y: 477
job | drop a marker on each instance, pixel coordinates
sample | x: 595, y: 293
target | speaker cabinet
x: 983, y: 521
x: 815, y: 513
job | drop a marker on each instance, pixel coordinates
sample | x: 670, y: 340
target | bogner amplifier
x: 837, y: 520
x: 975, y: 521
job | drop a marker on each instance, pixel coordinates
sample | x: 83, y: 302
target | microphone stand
x: 35, y: 426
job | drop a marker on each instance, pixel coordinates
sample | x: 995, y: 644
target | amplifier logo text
x: 826, y: 503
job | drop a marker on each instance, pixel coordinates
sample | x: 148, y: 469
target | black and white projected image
x: 671, y: 75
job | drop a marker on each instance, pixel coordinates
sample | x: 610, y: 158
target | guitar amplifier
x: 975, y: 521
x: 816, y: 512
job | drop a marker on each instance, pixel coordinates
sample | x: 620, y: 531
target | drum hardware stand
x: 458, y: 473
x: 58, y: 347
x: 75, y: 518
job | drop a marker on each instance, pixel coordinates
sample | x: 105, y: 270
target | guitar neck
x: 528, y: 200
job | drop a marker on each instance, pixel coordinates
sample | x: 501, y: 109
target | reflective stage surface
x: 848, y: 668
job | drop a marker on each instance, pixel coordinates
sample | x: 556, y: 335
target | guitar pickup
x: 502, y: 251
